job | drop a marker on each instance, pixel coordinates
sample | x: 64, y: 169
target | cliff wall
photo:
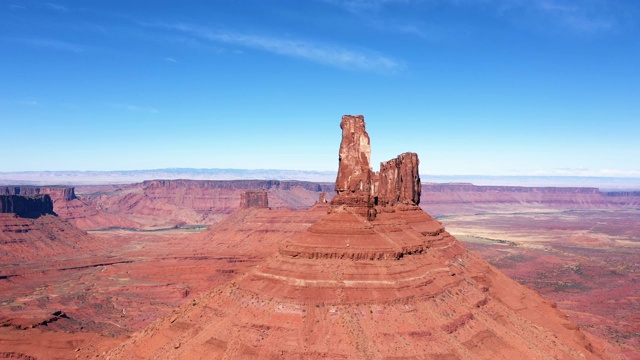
x: 236, y: 184
x: 57, y: 193
x: 449, y: 199
x: 27, y: 206
x: 168, y: 203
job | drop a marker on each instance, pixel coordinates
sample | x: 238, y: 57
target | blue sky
x: 491, y: 87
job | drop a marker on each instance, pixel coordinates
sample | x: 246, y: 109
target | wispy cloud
x: 585, y: 16
x: 17, y: 7
x: 135, y: 108
x: 327, y: 54
x: 170, y: 59
x: 52, y: 44
x: 359, y: 6
x: 57, y: 7
x: 27, y: 102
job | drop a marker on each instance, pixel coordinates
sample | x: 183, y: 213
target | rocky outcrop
x: 254, y: 199
x: 71, y: 208
x: 399, y: 181
x: 57, y: 193
x: 157, y: 204
x: 350, y: 288
x: 362, y: 190
x: 26, y: 206
x: 354, y: 180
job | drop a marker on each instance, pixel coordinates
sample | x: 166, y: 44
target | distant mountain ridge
x: 135, y: 176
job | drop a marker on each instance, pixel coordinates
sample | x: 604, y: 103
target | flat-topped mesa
x: 353, y: 184
x: 57, y: 193
x: 254, y: 199
x: 27, y: 206
x: 399, y: 181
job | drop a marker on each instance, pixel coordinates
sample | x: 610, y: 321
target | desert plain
x: 125, y: 270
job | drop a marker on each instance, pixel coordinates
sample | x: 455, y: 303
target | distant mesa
x: 57, y: 193
x: 27, y: 206
x: 254, y: 199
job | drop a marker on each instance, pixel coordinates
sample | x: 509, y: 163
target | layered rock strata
x: 57, y: 193
x: 399, y: 287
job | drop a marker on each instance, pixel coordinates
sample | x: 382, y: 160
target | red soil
x: 348, y: 288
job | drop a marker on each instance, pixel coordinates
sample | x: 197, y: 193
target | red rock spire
x: 353, y: 183
x: 357, y: 186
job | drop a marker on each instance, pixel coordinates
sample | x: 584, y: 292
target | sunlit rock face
x: 347, y: 287
x: 399, y: 181
x: 361, y: 189
x: 353, y: 184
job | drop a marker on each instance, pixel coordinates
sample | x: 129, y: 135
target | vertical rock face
x: 353, y: 184
x: 57, y: 193
x: 254, y: 199
x: 32, y: 206
x: 399, y: 181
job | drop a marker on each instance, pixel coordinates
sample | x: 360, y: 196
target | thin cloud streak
x: 588, y: 16
x: 359, y: 6
x: 135, y: 108
x: 319, y: 53
x: 52, y: 44
x: 57, y: 7
x: 27, y: 102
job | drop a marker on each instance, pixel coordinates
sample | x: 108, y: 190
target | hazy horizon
x: 134, y: 176
x: 499, y: 87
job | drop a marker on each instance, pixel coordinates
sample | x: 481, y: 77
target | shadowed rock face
x: 32, y: 206
x: 254, y: 199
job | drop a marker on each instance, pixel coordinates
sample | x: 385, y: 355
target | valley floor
x: 588, y: 262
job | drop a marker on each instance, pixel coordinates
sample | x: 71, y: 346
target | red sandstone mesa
x: 157, y: 204
x: 32, y: 206
x: 350, y: 288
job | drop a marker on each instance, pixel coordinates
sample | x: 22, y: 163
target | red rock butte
x: 374, y: 278
x: 254, y: 199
